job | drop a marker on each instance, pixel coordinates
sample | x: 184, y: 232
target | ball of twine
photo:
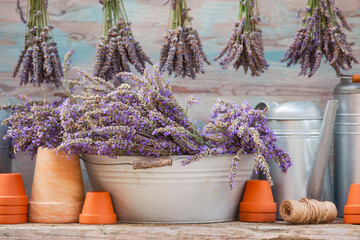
x: 307, y: 211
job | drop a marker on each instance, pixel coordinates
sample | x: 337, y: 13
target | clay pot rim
x: 352, y: 209
x: 257, y: 207
x: 96, y: 215
x: 98, y: 219
x: 14, y: 200
x: 6, y: 174
x: 13, y: 219
x: 257, y: 217
x: 352, y: 219
x: 13, y: 210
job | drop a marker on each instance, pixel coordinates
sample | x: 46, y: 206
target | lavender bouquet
x: 182, y: 52
x: 117, y: 48
x: 147, y: 120
x: 245, y: 46
x: 242, y: 130
x: 125, y: 120
x: 321, y: 35
x: 40, y: 58
x: 34, y: 124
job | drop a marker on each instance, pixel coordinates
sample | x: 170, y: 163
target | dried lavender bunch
x: 245, y: 46
x: 40, y: 58
x: 34, y: 124
x: 125, y: 120
x: 182, y: 52
x: 321, y: 35
x: 241, y: 130
x: 117, y: 47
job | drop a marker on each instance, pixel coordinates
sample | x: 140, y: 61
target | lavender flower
x: 192, y: 100
x: 245, y: 46
x: 182, y: 53
x: 321, y: 35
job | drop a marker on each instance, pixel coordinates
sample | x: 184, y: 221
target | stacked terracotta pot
x: 258, y: 203
x: 352, y: 208
x: 13, y: 199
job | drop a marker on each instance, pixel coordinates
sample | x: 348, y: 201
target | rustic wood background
x: 77, y: 26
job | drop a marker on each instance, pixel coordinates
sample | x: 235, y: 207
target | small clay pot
x: 13, y: 219
x: 98, y: 209
x: 12, y: 191
x: 352, y: 208
x: 258, y: 203
x: 57, y: 193
x: 13, y: 210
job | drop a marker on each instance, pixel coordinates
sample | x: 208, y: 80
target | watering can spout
x: 321, y: 156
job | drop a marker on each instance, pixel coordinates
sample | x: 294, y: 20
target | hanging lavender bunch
x: 117, y: 48
x: 182, y: 52
x: 40, y: 58
x: 245, y: 46
x: 242, y: 130
x: 321, y: 35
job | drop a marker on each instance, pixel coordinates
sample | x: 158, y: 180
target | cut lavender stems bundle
x: 117, y: 47
x: 241, y: 130
x: 245, y: 46
x: 321, y: 35
x: 148, y: 120
x: 182, y: 53
x: 125, y: 120
x: 40, y: 58
x: 34, y: 124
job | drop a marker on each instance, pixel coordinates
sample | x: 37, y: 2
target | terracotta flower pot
x: 98, y: 209
x: 12, y: 219
x: 13, y: 210
x: 258, y: 203
x: 12, y: 191
x: 57, y: 192
x: 352, y: 208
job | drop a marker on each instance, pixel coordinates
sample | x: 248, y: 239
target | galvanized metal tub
x: 346, y: 140
x: 197, y: 193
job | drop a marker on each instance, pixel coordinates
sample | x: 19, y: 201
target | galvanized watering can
x: 302, y: 132
x: 346, y: 138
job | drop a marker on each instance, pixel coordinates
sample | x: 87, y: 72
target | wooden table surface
x: 228, y: 230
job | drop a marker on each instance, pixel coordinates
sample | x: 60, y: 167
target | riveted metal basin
x: 196, y: 193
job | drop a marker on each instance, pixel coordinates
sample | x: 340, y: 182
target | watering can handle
x: 321, y: 156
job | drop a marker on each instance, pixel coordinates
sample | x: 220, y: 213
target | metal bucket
x: 5, y: 161
x: 346, y: 140
x: 297, y: 125
x: 197, y: 193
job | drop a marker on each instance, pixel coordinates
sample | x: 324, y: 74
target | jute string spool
x: 307, y: 211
